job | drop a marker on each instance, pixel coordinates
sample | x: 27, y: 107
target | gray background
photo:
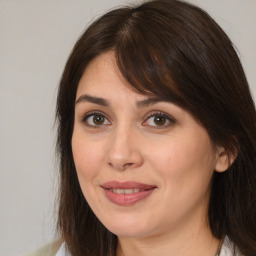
x: 36, y: 37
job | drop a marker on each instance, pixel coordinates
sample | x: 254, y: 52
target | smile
x: 127, y: 193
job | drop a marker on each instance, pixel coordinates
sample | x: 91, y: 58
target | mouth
x: 127, y: 193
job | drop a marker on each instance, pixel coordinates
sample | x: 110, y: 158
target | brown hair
x: 177, y: 52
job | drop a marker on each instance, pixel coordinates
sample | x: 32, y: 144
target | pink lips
x: 127, y: 193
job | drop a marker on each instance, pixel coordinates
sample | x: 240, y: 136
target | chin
x: 129, y: 232
x: 129, y: 227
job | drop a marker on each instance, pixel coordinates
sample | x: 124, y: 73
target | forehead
x: 103, y: 78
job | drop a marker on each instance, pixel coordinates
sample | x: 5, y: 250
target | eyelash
x: 91, y: 114
x: 167, y: 117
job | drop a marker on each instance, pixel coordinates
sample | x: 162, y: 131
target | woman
x: 156, y: 138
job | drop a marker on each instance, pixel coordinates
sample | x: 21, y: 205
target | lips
x: 127, y: 193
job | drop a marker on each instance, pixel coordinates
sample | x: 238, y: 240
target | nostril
x: 121, y: 166
x: 128, y: 165
x: 121, y: 158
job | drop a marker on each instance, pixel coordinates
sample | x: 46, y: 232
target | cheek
x: 186, y: 170
x: 186, y: 164
x: 88, y: 157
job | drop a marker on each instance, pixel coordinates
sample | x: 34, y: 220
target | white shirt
x: 226, y: 249
x: 62, y: 251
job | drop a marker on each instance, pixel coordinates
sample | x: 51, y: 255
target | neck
x: 189, y: 241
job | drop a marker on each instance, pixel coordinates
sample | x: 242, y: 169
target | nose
x: 124, y: 150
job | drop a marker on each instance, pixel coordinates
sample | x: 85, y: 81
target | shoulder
x: 48, y: 250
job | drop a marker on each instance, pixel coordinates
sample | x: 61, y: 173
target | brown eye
x: 96, y: 120
x: 160, y: 120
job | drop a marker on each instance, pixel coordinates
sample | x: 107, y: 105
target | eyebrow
x: 92, y: 99
x: 148, y: 102
x: 104, y: 102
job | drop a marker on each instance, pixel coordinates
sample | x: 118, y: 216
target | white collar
x: 63, y: 251
x: 227, y: 249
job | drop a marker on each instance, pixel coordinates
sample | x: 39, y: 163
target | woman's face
x: 144, y: 165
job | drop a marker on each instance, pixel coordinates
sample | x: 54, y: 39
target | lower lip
x: 127, y: 199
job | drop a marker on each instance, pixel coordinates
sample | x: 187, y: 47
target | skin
x: 127, y: 143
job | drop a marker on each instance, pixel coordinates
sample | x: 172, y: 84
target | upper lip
x: 126, y: 185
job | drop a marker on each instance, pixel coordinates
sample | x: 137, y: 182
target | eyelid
x: 160, y: 113
x: 91, y: 113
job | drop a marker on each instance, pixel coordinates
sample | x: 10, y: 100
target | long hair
x: 177, y: 52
